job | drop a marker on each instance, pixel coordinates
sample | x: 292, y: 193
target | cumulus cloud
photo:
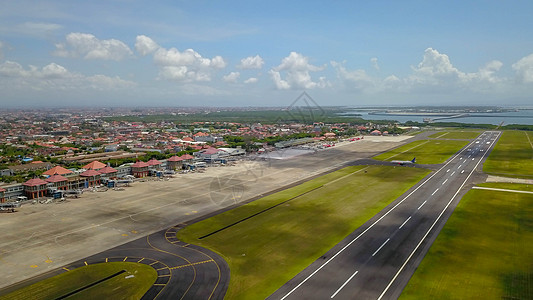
x: 54, y: 76
x: 297, y: 68
x: 186, y: 65
x: 524, y: 69
x: 251, y: 62
x: 145, y: 45
x: 251, y: 80
x: 231, y: 77
x: 89, y: 47
x: 436, y: 71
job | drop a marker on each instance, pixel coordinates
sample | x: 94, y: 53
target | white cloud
x: 54, y: 70
x: 354, y: 79
x: 251, y: 80
x: 436, y: 69
x: 231, y: 77
x: 297, y: 68
x: 374, y: 61
x: 251, y: 62
x: 434, y: 74
x: 188, y: 65
x: 488, y: 72
x: 89, y: 47
x: 280, y: 83
x: 524, y: 69
x: 54, y: 76
x: 218, y: 62
x: 34, y: 29
x: 145, y: 45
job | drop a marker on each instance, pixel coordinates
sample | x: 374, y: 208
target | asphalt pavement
x: 377, y: 260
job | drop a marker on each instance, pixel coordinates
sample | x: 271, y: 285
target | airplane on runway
x: 404, y: 162
x: 9, y: 206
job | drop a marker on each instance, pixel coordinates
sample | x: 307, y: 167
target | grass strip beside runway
x: 483, y: 252
x: 88, y: 283
x: 512, y: 156
x: 455, y: 134
x: 425, y: 151
x: 267, y: 250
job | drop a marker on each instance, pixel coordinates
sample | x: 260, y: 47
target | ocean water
x: 524, y: 117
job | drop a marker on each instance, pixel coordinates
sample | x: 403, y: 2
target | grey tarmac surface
x: 377, y: 260
x: 183, y: 271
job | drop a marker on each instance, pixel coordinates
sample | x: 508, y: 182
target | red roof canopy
x: 175, y: 158
x: 211, y: 150
x: 35, y: 182
x: 187, y: 156
x: 56, y: 178
x: 57, y: 170
x: 95, y: 165
x: 153, y: 162
x: 2, y: 190
x: 90, y: 173
x: 107, y: 170
x: 140, y: 164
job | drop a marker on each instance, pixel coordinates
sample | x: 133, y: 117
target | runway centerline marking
x: 343, y: 285
x: 404, y: 223
x: 452, y: 174
x: 462, y: 171
x: 444, y: 181
x: 373, y: 254
x: 369, y: 227
x: 422, y: 205
x: 434, y: 192
x: 433, y: 225
x: 447, y: 170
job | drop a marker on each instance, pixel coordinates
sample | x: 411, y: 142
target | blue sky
x: 265, y: 53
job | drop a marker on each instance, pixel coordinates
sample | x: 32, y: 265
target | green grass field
x: 455, y: 134
x: 117, y: 287
x: 267, y: 250
x: 483, y: 252
x: 425, y: 151
x: 512, y: 155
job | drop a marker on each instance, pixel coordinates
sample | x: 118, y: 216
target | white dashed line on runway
x: 380, y: 247
x: 344, y: 284
x: 404, y: 223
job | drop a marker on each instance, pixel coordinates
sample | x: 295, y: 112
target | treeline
x: 249, y: 142
x: 303, y: 115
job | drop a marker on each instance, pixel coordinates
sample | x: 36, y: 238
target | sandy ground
x: 42, y: 237
x: 492, y: 178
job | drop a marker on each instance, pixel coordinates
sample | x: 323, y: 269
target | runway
x: 377, y: 260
